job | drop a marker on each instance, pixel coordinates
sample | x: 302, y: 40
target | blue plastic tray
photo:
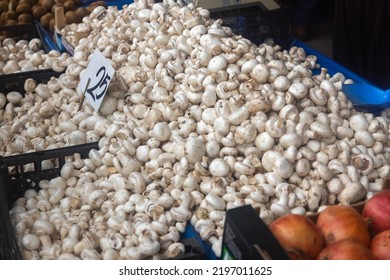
x: 363, y: 94
x: 118, y: 3
x: 332, y: 66
x: 46, y: 37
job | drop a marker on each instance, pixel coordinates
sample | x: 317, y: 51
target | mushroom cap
x: 179, y: 215
x: 363, y: 163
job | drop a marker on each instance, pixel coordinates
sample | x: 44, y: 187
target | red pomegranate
x: 380, y: 245
x: 377, y: 212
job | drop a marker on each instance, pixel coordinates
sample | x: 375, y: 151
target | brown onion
x: 298, y: 235
x: 340, y: 222
x: 345, y: 250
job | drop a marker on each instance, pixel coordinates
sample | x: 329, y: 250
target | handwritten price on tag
x: 103, y: 82
x: 94, y: 84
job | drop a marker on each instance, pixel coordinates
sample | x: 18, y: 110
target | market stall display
x: 197, y: 120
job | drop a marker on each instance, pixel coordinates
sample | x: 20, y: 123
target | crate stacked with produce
x: 197, y: 120
x: 26, y: 174
x: 24, y: 48
x: 26, y: 60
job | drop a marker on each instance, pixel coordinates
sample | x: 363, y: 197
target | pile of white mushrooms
x: 196, y: 121
x: 23, y: 55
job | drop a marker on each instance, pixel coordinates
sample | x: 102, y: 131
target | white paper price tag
x: 96, y: 79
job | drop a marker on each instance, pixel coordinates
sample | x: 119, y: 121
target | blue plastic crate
x: 190, y: 232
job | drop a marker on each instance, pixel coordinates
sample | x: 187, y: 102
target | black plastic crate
x: 15, y: 180
x: 256, y: 23
x: 249, y: 238
x: 15, y: 82
x: 25, y: 31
